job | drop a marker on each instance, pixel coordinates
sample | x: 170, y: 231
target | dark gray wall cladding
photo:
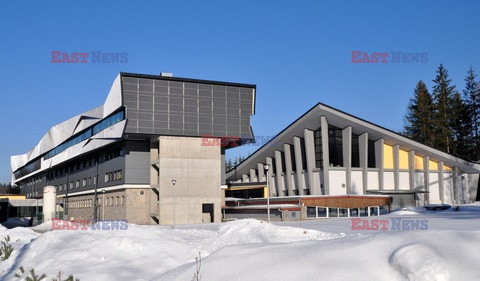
x: 156, y: 106
x: 137, y: 162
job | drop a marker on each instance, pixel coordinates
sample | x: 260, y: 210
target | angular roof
x: 311, y: 120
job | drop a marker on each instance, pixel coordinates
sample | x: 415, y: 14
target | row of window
x: 113, y: 176
x: 30, y: 168
x: 110, y: 201
x: 95, y: 129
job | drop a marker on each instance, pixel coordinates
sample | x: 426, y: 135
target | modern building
x: 327, y: 152
x: 150, y: 154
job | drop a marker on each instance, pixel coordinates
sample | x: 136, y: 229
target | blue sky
x: 298, y: 53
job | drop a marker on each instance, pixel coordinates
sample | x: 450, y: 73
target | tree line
x: 7, y: 188
x: 230, y: 164
x: 444, y: 118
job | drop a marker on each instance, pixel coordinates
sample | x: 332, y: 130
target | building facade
x: 329, y: 152
x: 141, y: 155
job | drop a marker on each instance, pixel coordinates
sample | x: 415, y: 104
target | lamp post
x: 103, y: 204
x: 174, y: 181
x: 266, y: 167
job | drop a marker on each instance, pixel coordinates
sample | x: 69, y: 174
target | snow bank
x: 255, y: 250
x: 143, y: 252
x: 385, y: 256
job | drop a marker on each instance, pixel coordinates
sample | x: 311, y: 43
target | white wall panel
x: 357, y: 183
x: 337, y: 182
x: 434, y: 189
x: 372, y: 180
x: 404, y: 180
x: 388, y: 181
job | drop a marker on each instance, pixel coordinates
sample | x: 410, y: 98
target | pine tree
x: 419, y: 118
x: 471, y: 95
x: 461, y: 128
x: 443, y: 96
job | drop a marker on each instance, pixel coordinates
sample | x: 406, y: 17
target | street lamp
x: 103, y: 204
x: 266, y: 167
x: 174, y: 181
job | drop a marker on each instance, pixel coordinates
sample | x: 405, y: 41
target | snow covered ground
x: 253, y: 250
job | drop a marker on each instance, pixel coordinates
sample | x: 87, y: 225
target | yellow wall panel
x: 418, y: 162
x: 433, y: 165
x: 403, y: 155
x: 387, y: 156
x: 447, y: 168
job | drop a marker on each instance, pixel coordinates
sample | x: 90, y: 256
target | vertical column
x: 288, y: 168
x: 411, y: 169
x: 271, y: 181
x: 278, y: 175
x: 456, y: 197
x: 253, y: 177
x: 325, y: 155
x: 441, y: 183
x: 298, y: 163
x: 310, y: 155
x: 396, y: 167
x: 363, y: 150
x: 261, y: 172
x: 379, y: 161
x: 426, y: 178
x: 347, y: 156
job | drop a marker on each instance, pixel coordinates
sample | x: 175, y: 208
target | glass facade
x: 335, y: 146
x: 97, y: 128
x: 371, y: 154
x: 318, y: 148
x: 32, y: 167
x: 355, y: 151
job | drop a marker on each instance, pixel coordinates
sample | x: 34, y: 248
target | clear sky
x: 298, y: 53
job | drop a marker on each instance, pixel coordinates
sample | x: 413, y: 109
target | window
x: 84, y: 182
x: 335, y: 146
x: 89, y: 180
x: 114, y: 153
x: 303, y: 153
x: 371, y: 154
x: 109, y: 121
x: 113, y: 176
x: 318, y: 148
x: 355, y: 151
x: 292, y: 156
x: 78, y: 184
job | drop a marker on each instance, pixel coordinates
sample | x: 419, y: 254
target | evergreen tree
x: 461, y: 128
x: 229, y: 165
x: 443, y: 97
x: 419, y: 118
x: 471, y: 95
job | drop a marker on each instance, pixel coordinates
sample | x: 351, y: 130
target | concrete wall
x: 196, y: 169
x: 337, y: 182
x: 357, y: 183
x: 137, y: 206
